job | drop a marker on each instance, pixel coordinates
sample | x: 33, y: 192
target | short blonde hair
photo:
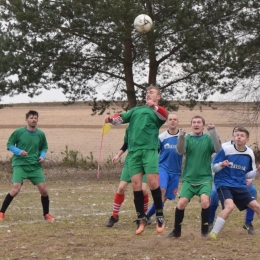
x: 153, y: 87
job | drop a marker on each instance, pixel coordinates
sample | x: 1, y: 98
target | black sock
x: 45, y: 204
x: 157, y: 199
x: 179, y: 215
x: 139, y: 203
x: 8, y: 199
x: 205, y: 220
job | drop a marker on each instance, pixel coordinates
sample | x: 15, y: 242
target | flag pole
x: 99, y: 159
x: 105, y: 130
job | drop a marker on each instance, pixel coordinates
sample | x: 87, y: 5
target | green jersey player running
x: 144, y: 123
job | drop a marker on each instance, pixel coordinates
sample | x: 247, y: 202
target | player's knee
x: 121, y: 189
x: 182, y: 203
x: 15, y: 190
x: 229, y: 208
x: 153, y: 183
x: 205, y: 204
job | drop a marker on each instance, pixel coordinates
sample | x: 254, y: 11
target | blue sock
x: 249, y: 216
x: 152, y: 210
x: 212, y: 210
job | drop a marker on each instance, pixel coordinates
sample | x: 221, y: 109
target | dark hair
x: 203, y: 120
x: 237, y: 126
x: 31, y: 113
x: 243, y: 130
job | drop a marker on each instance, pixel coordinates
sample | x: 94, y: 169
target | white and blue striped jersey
x: 240, y: 163
x: 169, y: 159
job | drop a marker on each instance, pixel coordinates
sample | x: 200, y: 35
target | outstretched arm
x: 214, y: 135
x: 114, y: 120
x: 181, y: 142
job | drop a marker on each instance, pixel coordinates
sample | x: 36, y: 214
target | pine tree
x: 194, y: 49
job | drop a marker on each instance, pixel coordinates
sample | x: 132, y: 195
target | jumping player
x: 144, y: 123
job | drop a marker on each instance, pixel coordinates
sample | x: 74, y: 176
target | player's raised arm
x: 181, y: 142
x: 214, y: 135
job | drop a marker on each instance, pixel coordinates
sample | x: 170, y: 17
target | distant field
x: 75, y: 127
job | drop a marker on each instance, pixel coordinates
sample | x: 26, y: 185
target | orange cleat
x: 49, y: 218
x: 2, y: 216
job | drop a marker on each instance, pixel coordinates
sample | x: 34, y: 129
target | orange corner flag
x: 105, y: 128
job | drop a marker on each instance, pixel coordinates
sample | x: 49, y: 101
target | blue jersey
x: 169, y: 159
x: 240, y: 163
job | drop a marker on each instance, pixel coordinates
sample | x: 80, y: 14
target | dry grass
x: 82, y: 205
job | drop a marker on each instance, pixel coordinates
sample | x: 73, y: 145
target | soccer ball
x: 143, y: 23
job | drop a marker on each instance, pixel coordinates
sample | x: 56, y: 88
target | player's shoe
x: 250, y: 228
x: 141, y: 223
x: 49, y: 218
x: 174, y: 233
x: 213, y: 235
x: 2, y: 216
x: 160, y: 224
x: 112, y: 221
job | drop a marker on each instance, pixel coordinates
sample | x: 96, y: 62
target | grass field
x: 82, y: 205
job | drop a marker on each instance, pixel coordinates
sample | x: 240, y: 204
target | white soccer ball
x: 143, y: 23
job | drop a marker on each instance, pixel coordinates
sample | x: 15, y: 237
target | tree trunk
x: 153, y: 65
x: 128, y: 69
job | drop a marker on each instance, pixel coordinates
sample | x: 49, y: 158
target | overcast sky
x: 56, y: 95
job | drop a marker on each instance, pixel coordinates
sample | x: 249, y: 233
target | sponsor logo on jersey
x: 236, y: 166
x: 170, y: 146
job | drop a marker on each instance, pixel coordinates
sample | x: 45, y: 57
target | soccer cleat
x: 213, y: 235
x: 49, y: 218
x: 250, y: 228
x: 141, y: 223
x: 174, y: 234
x: 160, y: 224
x: 112, y: 221
x: 149, y: 221
x: 2, y: 216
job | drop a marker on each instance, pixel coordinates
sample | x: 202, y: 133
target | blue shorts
x: 169, y: 182
x: 251, y: 188
x: 240, y: 196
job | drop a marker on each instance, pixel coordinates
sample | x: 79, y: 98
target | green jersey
x: 143, y: 129
x: 197, y: 169
x: 32, y: 142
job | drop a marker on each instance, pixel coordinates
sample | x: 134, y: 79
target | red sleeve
x: 161, y: 112
x: 117, y: 119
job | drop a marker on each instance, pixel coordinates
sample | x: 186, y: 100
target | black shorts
x: 240, y: 196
